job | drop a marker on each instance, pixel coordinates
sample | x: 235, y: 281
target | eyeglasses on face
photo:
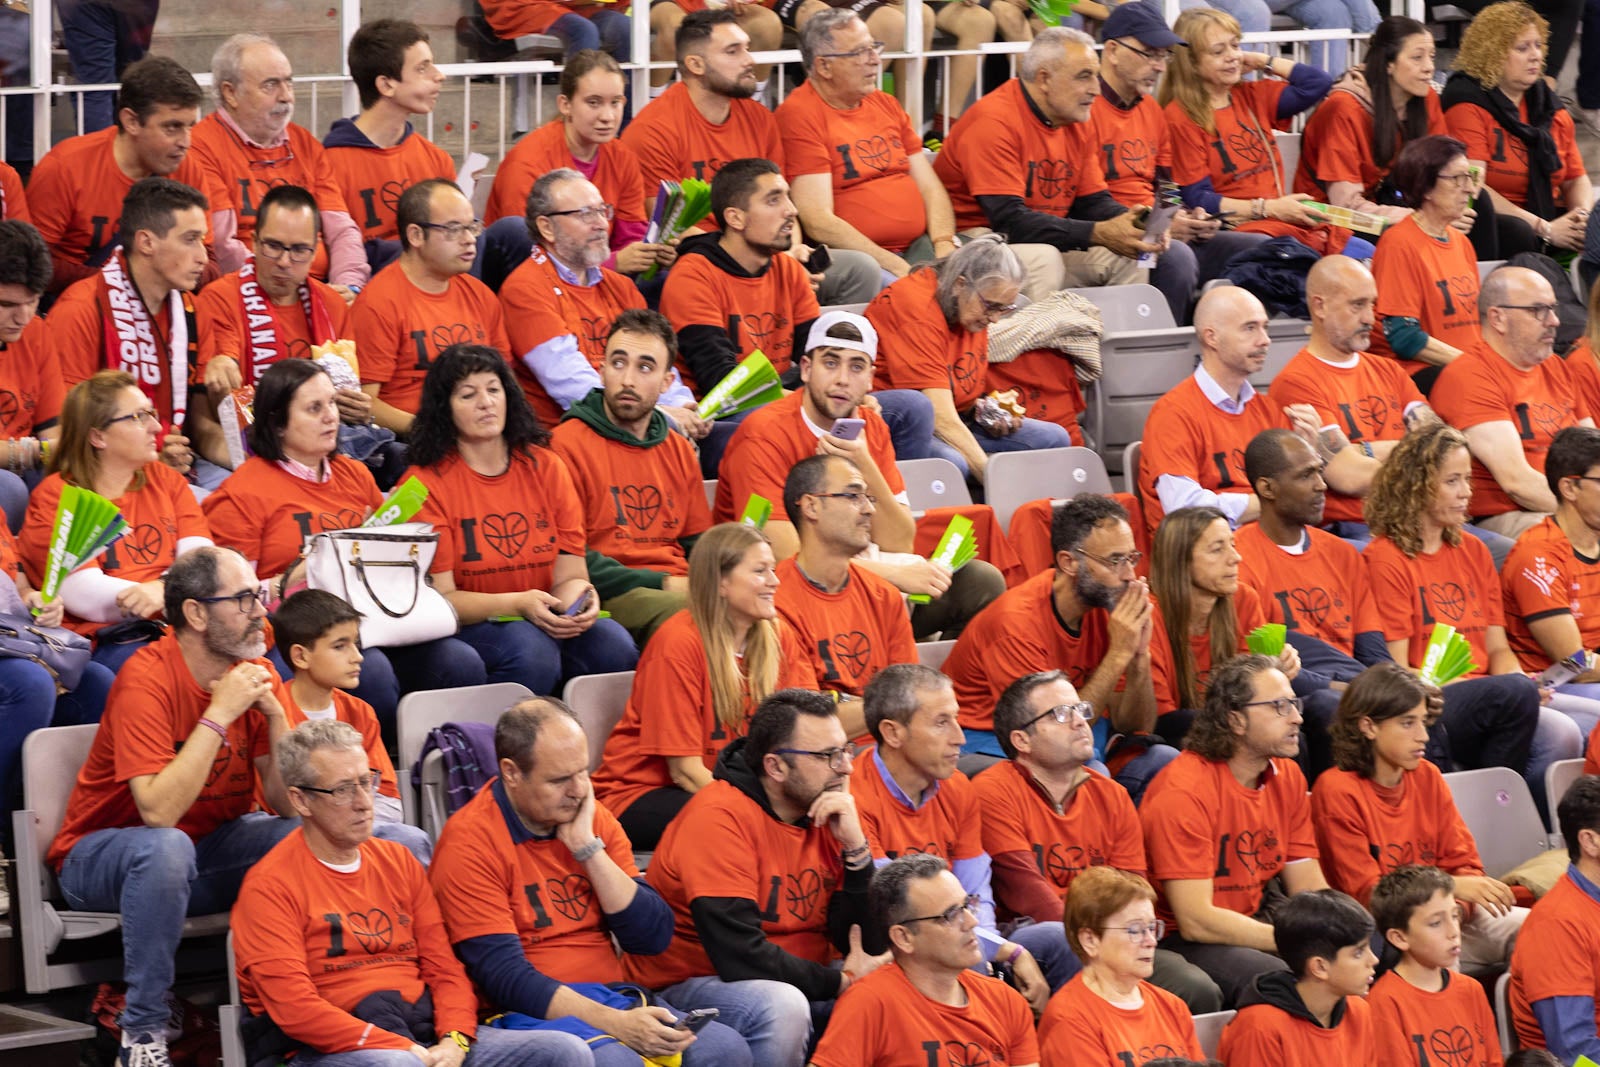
x: 1156, y: 929
x: 1538, y: 311
x: 837, y: 759
x: 875, y: 48
x: 454, y: 231
x: 246, y: 601
x: 144, y: 416
x: 587, y: 214
x: 1163, y: 55
x: 1116, y: 562
x: 344, y: 794
x: 1284, y: 706
x: 857, y: 499
x: 1065, y: 713
x: 276, y: 250
x: 1463, y: 180
x: 949, y: 916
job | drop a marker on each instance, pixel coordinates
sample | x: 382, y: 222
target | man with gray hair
x: 339, y: 946
x: 160, y: 824
x: 856, y: 165
x: 248, y: 145
x: 1511, y: 399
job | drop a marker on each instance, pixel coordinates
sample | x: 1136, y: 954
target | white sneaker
x: 149, y: 1050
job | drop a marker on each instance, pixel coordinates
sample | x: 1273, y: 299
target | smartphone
x: 1156, y: 224
x: 848, y: 429
x: 694, y: 1020
x: 1561, y: 671
x: 821, y: 259
x: 578, y: 606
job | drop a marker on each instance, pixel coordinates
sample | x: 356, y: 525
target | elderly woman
x: 1110, y: 1005
x: 1515, y: 128
x: 933, y: 336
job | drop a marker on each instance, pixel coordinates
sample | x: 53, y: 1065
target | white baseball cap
x: 818, y: 337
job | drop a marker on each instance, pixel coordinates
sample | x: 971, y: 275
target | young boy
x: 1424, y: 1013
x: 319, y: 637
x: 1314, y: 1013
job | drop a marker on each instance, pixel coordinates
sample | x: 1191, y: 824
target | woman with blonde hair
x: 699, y: 680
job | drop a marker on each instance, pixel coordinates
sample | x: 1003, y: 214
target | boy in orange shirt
x: 1423, y: 1010
x: 1316, y: 1012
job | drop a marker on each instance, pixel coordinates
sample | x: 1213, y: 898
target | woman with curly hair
x: 1499, y: 105
x: 1425, y: 572
x: 1386, y: 806
x: 510, y: 523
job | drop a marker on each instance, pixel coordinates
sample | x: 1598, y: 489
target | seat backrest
x: 1015, y: 478
x: 934, y: 483
x: 1138, y: 368
x: 1287, y: 337
x: 1488, y: 266
x: 934, y: 653
x: 599, y: 701
x: 1502, y: 1015
x: 1558, y: 778
x: 854, y: 309
x: 711, y: 493
x: 1289, y: 148
x: 422, y: 711
x: 1498, y: 809
x: 51, y: 759
x: 1208, y: 1028
x: 1124, y: 308
x: 1130, y: 469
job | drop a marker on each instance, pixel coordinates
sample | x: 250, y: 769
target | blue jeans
x: 1558, y: 736
x: 608, y: 31
x: 1359, y: 16
x: 1587, y: 714
x: 521, y: 652
x: 157, y: 876
x: 1253, y: 16
x: 504, y: 246
x: 413, y: 838
x: 112, y: 657
x: 773, y: 1017
x: 494, y: 1048
x: 28, y: 702
x: 102, y: 38
x: 1047, y: 944
x: 909, y: 416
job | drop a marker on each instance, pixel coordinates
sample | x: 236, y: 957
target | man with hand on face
x: 644, y: 501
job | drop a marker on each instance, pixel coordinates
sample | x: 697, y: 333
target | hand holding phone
x: 848, y: 429
x: 695, y: 1020
x: 579, y: 606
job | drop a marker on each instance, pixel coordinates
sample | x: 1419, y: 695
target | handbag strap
x: 361, y: 566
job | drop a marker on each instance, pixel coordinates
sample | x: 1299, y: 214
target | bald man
x: 1195, y: 435
x: 1511, y: 399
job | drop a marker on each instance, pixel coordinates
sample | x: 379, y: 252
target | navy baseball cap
x: 1142, y: 21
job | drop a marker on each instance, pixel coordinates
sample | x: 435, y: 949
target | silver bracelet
x: 589, y: 851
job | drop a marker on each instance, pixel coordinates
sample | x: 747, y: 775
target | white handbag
x: 382, y: 572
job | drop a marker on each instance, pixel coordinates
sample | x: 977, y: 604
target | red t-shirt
x: 1132, y: 144
x: 372, y: 179
x: 1557, y: 955
x: 851, y: 635
x: 268, y: 514
x: 1322, y: 592
x: 358, y: 713
x: 13, y: 200
x: 1248, y: 614
x: 225, y: 331
x: 1542, y: 577
x: 673, y: 141
x: 1456, y: 585
x: 1507, y: 156
x: 1336, y: 145
x: 1080, y: 1028
x: 1047, y: 387
x: 917, y: 349
x: 511, y: 19
x: 1188, y: 436
x: 1585, y: 372
x: 1417, y: 1028
x: 945, y: 824
x: 616, y: 174
x: 1435, y: 282
x: 1241, y: 157
x: 31, y: 385
x: 1264, y: 1035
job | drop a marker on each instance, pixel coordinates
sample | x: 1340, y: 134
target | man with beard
x: 155, y: 835
x: 1090, y: 616
x: 621, y: 455
x: 560, y: 303
x: 766, y: 871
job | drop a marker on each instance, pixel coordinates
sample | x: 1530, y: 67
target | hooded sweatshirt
x: 1274, y: 1028
x: 373, y: 178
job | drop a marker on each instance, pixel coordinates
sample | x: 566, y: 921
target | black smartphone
x: 821, y: 259
x: 694, y: 1020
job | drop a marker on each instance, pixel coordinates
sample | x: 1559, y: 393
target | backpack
x: 469, y: 761
x: 1574, y: 316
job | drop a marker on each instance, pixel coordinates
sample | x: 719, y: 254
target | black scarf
x: 1543, y: 158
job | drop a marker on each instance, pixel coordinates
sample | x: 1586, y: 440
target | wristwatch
x: 462, y: 1040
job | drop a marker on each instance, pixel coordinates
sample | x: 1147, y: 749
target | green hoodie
x: 610, y: 576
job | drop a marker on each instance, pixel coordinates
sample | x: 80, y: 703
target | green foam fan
x: 751, y: 384
x: 1447, y: 657
x: 957, y: 547
x: 1051, y: 12
x: 406, y: 500
x: 86, y: 524
x: 1266, y: 640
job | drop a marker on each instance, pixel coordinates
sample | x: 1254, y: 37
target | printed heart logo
x: 456, y: 333
x: 144, y: 543
x: 1453, y: 1047
x: 1073, y: 859
x: 1246, y: 848
x: 1054, y: 177
x: 571, y: 896
x: 965, y: 1054
x: 641, y: 503
x: 1373, y: 412
x: 506, y: 533
x: 1465, y: 289
x: 372, y: 928
x: 1551, y: 419
x: 762, y: 326
x: 343, y: 519
x: 853, y: 651
x: 1310, y: 604
x: 1134, y: 153
x: 1448, y: 599
x: 390, y: 194
x: 1247, y: 146
x: 801, y: 892
x: 298, y: 348
x: 874, y: 152
x: 1158, y: 1052
x: 219, y: 765
x: 9, y: 406
x: 594, y: 333
x: 1399, y: 854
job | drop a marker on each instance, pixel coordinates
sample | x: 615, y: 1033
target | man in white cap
x: 830, y: 416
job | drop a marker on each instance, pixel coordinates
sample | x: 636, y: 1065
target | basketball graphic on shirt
x: 1448, y: 599
x: 1550, y: 418
x: 1134, y: 153
x: 1247, y: 146
x: 10, y: 407
x: 1399, y: 854
x: 1247, y: 849
x: 764, y: 330
x: 852, y: 652
x: 1465, y: 288
x: 506, y: 533
x: 1373, y: 411
x: 1310, y: 604
x: 373, y: 929
x: 1053, y: 178
x: 640, y: 505
x: 966, y: 367
x: 456, y: 333
x: 801, y: 892
x: 965, y: 1054
x: 874, y: 152
x: 594, y: 333
x: 1157, y: 1052
x: 343, y: 519
x: 1453, y: 1047
x: 571, y: 896
x: 390, y: 194
x: 144, y: 543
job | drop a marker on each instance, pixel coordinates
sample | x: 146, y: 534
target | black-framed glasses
x: 1163, y: 56
x: 949, y: 916
x: 587, y: 214
x: 454, y: 231
x: 1284, y: 706
x: 344, y: 794
x: 1584, y: 478
x: 1155, y: 929
x: 1116, y: 562
x: 1465, y: 180
x: 875, y: 48
x: 837, y: 759
x: 1065, y: 713
x: 857, y: 499
x: 276, y: 250
x: 246, y: 601
x: 1538, y: 311
x: 147, y: 416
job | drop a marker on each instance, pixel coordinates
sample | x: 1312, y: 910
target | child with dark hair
x: 1423, y: 1011
x: 1314, y: 1013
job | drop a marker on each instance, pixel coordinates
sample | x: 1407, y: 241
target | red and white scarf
x: 261, y: 328
x: 130, y: 337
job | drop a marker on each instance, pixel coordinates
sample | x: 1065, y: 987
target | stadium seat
x: 1558, y: 778
x: 711, y: 493
x: 1502, y: 1015
x: 421, y: 711
x: 1130, y: 468
x: 1498, y: 810
x: 1288, y: 143
x: 599, y: 701
x: 1288, y: 337
x: 1487, y: 265
x: 934, y: 483
x: 854, y: 309
x: 1209, y: 1029
x: 1047, y: 473
x: 934, y: 653
x: 230, y: 1015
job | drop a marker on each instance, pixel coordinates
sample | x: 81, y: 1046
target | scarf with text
x: 130, y: 337
x: 261, y: 338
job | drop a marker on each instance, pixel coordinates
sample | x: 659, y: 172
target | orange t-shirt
x: 670, y: 712
x: 1099, y: 828
x: 1483, y: 387
x: 638, y: 503
x: 399, y: 330
x: 867, y: 150
x: 1585, y: 372
x: 319, y: 941
x: 358, y: 713
x: 153, y: 707
x: 1456, y: 585
x: 1557, y: 955
x: 1188, y: 436
x: 1248, y: 614
x: 772, y: 439
x: 616, y: 174
x: 1322, y: 592
x: 791, y: 871
x: 1507, y: 156
x: 885, y: 1021
x: 760, y: 311
x: 1417, y: 1028
x: 999, y: 147
x: 851, y: 635
x: 1200, y: 823
x: 538, y: 304
x: 917, y: 349
x: 511, y: 19
x: 372, y: 179
x: 1080, y: 1028
x: 1047, y: 387
x: 31, y: 386
x: 1132, y: 143
x: 1544, y: 576
x: 1366, y: 830
x: 1263, y: 1035
x: 268, y: 514
x: 502, y: 533
x: 494, y: 877
x: 1336, y: 145
x: 673, y: 141
x: 1241, y: 158
x: 13, y: 200
x: 226, y: 329
x: 1433, y: 281
x: 159, y: 515
x: 945, y: 824
x: 1367, y: 401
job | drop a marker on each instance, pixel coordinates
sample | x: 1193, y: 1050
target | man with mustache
x: 160, y: 824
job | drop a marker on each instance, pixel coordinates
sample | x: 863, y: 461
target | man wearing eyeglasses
x: 159, y: 825
x: 339, y: 945
x: 1225, y: 818
x: 928, y: 996
x: 1511, y: 399
x: 766, y: 870
x: 423, y: 302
